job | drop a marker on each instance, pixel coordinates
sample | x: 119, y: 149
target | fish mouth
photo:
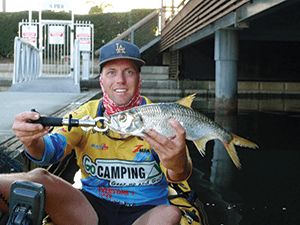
x: 111, y: 124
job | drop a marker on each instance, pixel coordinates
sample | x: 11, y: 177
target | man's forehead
x: 120, y: 63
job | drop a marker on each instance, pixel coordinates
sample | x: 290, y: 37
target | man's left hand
x: 171, y: 151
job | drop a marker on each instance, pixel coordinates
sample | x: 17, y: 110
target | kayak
x: 182, y: 196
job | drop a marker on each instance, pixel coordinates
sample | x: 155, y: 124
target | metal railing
x: 141, y: 33
x: 27, y: 64
x: 147, y: 31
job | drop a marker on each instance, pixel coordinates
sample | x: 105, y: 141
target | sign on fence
x: 83, y: 34
x: 29, y: 34
x: 56, y: 35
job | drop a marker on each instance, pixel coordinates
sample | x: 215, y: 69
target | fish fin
x: 187, y: 101
x: 232, y: 153
x: 243, y: 142
x: 200, y: 144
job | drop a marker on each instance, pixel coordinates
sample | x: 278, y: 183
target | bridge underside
x: 233, y: 46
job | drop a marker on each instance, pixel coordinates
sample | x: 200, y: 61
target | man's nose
x: 121, y: 78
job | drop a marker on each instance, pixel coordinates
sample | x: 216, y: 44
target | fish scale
x: 198, y: 127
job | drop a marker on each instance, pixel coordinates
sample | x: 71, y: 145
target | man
x: 122, y: 182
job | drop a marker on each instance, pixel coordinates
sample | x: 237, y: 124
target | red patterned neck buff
x: 111, y: 107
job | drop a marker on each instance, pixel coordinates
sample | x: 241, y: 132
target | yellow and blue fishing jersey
x: 126, y: 171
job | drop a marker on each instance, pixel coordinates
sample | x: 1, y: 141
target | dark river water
x: 266, y: 191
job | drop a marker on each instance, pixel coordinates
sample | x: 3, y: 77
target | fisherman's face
x: 120, y: 79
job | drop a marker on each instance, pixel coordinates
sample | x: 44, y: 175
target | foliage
x: 106, y: 25
x: 97, y: 9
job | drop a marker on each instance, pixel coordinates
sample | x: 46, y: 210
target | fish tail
x: 232, y: 153
x: 240, y: 142
x: 243, y: 142
x: 236, y: 140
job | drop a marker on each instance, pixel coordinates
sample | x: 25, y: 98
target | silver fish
x: 198, y: 127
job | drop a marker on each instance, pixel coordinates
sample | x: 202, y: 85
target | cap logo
x: 120, y: 48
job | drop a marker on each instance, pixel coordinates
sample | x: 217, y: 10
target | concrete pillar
x: 226, y: 57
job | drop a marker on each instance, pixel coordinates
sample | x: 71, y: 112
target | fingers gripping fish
x: 198, y: 127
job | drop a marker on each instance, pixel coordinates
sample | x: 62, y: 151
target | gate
x: 55, y: 40
x: 57, y: 48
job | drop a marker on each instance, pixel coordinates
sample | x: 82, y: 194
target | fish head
x: 126, y: 122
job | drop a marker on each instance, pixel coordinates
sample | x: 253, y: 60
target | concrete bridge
x: 227, y: 41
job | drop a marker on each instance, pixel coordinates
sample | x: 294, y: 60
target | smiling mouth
x: 120, y: 90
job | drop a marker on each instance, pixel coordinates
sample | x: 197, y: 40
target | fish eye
x: 122, y: 118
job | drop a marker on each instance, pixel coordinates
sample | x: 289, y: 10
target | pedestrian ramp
x: 47, y: 85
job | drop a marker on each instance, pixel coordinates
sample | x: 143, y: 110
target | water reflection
x: 266, y: 189
x: 221, y: 168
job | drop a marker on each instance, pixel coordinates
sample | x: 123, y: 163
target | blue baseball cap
x: 120, y: 50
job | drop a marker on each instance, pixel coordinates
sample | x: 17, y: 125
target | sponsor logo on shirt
x: 62, y: 129
x: 121, y: 173
x: 109, y: 193
x: 100, y: 147
x: 140, y: 149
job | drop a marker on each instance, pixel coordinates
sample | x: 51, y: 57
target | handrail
x: 27, y: 64
x: 135, y: 27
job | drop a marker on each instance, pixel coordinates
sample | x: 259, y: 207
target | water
x: 266, y: 190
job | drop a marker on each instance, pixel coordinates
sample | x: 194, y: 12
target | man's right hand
x: 30, y: 134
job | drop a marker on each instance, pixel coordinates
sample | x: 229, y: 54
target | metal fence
x: 55, y: 38
x: 27, y: 62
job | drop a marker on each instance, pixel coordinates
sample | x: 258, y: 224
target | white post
x: 16, y: 60
x: 72, y: 43
x: 41, y: 42
x: 30, y: 16
x: 85, y: 65
x: 76, y: 58
x: 3, y: 5
x: 93, y: 50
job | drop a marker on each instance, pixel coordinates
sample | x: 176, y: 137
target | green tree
x: 97, y: 9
